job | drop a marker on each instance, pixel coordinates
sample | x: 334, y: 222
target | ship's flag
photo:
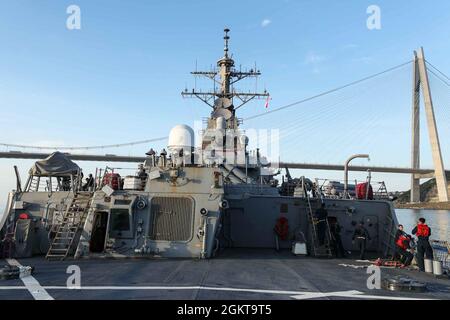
x: 267, y: 101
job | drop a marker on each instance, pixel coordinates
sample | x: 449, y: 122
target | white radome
x: 181, y: 137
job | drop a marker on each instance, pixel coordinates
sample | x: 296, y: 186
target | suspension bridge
x: 429, y: 84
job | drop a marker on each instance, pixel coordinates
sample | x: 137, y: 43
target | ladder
x: 71, y: 226
x: 34, y: 184
x: 318, y: 250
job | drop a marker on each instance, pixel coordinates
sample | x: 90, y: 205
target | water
x: 437, y: 220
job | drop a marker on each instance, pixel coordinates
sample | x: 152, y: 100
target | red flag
x: 267, y: 101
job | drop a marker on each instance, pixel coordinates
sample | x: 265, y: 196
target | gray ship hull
x: 171, y: 223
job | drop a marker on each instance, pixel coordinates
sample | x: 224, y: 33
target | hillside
x: 428, y: 196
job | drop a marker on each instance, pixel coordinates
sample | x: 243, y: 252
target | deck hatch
x: 172, y: 218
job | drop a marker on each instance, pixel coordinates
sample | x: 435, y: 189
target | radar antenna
x: 225, y: 100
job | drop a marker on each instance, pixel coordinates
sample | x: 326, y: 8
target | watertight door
x: 98, y: 236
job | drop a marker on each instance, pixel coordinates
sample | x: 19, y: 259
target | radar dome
x: 181, y: 137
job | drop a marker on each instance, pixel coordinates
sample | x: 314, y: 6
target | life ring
x: 282, y: 228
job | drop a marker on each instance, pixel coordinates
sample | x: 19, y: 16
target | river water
x: 437, y: 220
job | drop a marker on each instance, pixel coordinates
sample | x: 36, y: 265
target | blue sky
x: 118, y: 78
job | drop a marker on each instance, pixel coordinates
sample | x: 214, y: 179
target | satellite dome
x: 181, y: 137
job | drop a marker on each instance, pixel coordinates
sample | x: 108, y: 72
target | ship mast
x: 225, y: 101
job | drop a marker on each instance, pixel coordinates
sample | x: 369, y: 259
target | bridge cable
x: 434, y: 67
x: 83, y: 148
x: 328, y: 92
x: 248, y: 118
x: 439, y: 77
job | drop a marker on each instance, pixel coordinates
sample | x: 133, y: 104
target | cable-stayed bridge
x: 290, y: 165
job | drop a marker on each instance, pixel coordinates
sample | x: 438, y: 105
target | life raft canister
x: 113, y: 180
x: 282, y: 228
x: 24, y: 216
x: 423, y: 230
x: 402, y: 242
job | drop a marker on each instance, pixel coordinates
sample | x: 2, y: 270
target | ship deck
x: 236, y: 274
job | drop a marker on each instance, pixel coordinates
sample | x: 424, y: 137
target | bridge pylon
x: 420, y: 81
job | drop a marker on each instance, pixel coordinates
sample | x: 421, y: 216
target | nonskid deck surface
x: 235, y: 274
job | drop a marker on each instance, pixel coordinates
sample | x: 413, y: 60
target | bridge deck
x: 291, y: 165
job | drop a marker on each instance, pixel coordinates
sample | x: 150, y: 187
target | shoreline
x: 424, y: 205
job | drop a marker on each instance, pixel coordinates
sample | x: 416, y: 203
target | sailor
x: 65, y: 185
x: 89, y: 185
x: 321, y: 217
x: 335, y: 230
x: 361, y: 235
x: 402, y: 245
x: 142, y: 175
x: 314, y: 190
x: 89, y: 182
x: 423, y: 232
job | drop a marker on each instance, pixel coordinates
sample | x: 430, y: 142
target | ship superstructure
x: 192, y: 200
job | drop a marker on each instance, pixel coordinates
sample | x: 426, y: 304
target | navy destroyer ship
x: 205, y: 219
x: 192, y: 200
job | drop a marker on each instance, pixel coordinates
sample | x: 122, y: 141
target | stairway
x: 69, y: 231
x: 318, y: 250
x: 34, y: 184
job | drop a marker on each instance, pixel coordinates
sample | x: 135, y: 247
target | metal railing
x: 441, y: 250
x: 334, y: 188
